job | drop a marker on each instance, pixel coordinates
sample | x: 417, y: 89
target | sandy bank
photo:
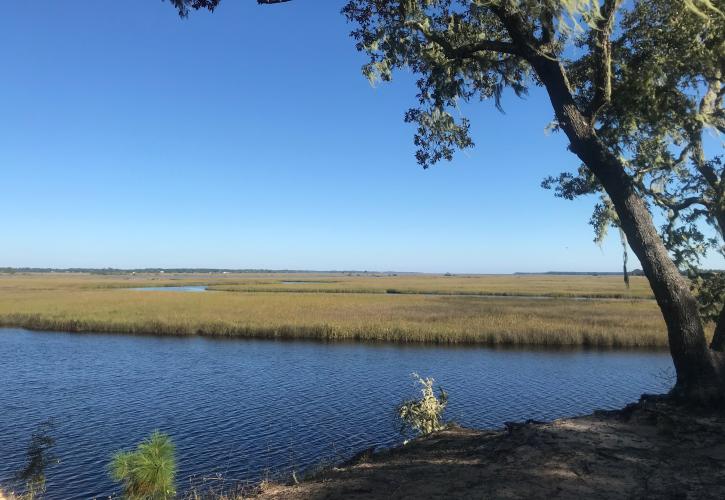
x: 648, y: 450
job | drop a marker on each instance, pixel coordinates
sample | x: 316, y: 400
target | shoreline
x: 649, y: 449
x: 280, y: 335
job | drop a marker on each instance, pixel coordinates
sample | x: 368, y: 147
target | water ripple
x: 243, y: 408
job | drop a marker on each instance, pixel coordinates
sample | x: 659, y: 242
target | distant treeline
x: 203, y: 270
x: 636, y: 272
x: 111, y: 270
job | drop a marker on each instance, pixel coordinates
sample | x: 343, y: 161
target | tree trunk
x: 720, y: 215
x: 718, y: 339
x: 700, y: 371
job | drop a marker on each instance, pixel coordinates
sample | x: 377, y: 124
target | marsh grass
x: 492, y: 285
x: 91, y: 304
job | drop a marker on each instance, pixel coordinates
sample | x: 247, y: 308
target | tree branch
x: 548, y: 68
x: 547, y: 27
x: 640, y: 173
x: 183, y: 5
x: 678, y: 206
x: 603, y: 58
x: 464, y: 51
x: 708, y: 105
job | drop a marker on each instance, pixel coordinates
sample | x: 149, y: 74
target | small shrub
x: 149, y: 472
x: 11, y: 495
x: 425, y: 415
x: 38, y: 457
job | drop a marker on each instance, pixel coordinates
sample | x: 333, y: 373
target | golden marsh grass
x: 91, y: 303
x: 503, y: 285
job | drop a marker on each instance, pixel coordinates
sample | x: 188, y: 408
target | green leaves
x: 447, y: 43
x: 710, y: 290
x: 183, y: 6
x: 438, y: 135
x: 667, y: 94
x: 149, y: 472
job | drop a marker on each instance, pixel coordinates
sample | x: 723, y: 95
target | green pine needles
x: 149, y: 472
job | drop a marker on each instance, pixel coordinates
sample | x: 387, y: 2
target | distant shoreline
x: 192, y: 270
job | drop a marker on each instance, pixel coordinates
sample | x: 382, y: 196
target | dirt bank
x: 648, y: 450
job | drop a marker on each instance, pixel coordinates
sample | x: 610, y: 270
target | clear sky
x: 248, y: 138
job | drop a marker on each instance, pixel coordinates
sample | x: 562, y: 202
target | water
x: 170, y: 289
x: 244, y: 407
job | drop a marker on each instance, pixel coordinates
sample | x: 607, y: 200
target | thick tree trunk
x: 718, y: 339
x: 720, y: 217
x: 700, y: 371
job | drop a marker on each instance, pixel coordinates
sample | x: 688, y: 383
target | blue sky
x: 248, y: 138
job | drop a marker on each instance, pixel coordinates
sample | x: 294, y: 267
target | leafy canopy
x: 667, y: 93
x: 646, y: 74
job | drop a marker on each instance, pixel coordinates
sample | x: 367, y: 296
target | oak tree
x: 632, y: 85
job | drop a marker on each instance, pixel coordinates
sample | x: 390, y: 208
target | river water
x: 251, y: 408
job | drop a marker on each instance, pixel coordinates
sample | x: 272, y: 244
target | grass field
x: 416, y: 308
x: 504, y: 285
